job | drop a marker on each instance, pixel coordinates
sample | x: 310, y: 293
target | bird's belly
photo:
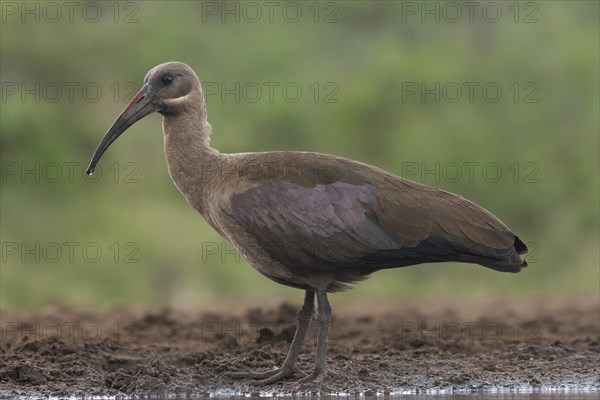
x: 255, y: 254
x: 260, y: 257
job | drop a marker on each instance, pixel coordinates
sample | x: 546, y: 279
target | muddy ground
x: 384, y: 347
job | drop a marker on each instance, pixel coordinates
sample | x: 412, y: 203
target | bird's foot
x: 268, y: 377
x: 316, y: 376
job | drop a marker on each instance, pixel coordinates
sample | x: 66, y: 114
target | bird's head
x: 168, y: 88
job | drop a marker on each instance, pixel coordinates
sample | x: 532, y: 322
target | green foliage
x: 547, y: 150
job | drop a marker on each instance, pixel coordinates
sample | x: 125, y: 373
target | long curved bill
x: 138, y: 108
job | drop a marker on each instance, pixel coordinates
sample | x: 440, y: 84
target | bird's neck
x: 188, y: 153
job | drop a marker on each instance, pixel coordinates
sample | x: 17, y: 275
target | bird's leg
x: 289, y: 365
x: 322, y: 319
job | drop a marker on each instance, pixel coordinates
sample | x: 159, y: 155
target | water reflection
x: 534, y: 395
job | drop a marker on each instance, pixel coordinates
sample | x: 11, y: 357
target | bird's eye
x: 166, y: 79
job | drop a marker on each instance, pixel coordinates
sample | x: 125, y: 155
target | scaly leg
x: 289, y: 365
x: 323, y: 317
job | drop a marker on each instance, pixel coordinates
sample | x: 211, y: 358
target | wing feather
x: 372, y: 222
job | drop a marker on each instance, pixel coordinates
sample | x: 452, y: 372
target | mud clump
x: 372, y: 349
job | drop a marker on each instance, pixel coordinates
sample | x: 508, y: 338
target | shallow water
x: 551, y: 393
x: 535, y: 395
x: 459, y: 396
x: 541, y: 394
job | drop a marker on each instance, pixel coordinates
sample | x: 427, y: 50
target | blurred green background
x: 379, y: 83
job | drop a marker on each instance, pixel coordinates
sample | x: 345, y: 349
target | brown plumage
x: 307, y: 220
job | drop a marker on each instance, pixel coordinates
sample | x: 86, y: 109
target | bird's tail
x: 513, y: 262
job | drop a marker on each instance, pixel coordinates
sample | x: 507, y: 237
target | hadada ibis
x: 312, y: 221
